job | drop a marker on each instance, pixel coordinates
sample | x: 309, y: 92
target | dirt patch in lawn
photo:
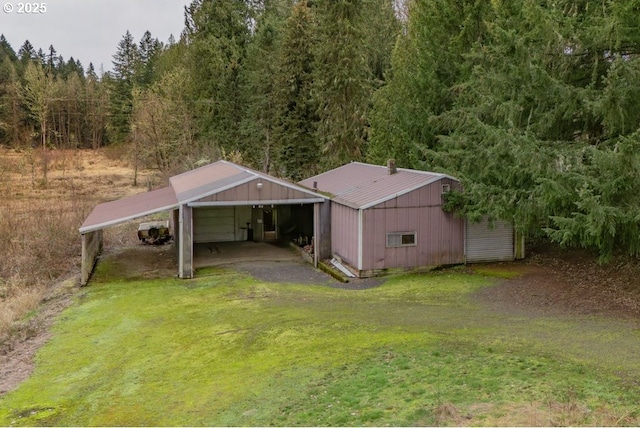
x: 556, y: 282
x: 18, y: 349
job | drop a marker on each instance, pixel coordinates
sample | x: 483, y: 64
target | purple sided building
x: 390, y: 218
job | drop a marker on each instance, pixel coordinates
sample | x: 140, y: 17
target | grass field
x: 227, y: 349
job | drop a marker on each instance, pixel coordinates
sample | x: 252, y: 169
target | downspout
x: 316, y: 233
x: 464, y: 241
x: 191, y: 251
x: 360, y: 239
x: 181, y: 243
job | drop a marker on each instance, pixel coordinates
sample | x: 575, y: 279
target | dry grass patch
x: 17, y: 304
x: 555, y: 413
x: 39, y: 221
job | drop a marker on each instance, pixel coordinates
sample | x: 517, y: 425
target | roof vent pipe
x: 391, y: 166
x: 315, y: 186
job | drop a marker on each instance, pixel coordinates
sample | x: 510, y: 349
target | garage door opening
x: 229, y: 234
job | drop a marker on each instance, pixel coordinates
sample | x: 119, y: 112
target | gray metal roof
x: 360, y: 185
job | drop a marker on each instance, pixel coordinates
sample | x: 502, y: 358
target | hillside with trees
x: 533, y: 104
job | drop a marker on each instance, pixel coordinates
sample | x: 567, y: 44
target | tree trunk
x: 45, y: 160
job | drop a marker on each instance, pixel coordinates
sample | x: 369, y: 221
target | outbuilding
x: 371, y: 218
x: 385, y: 218
x: 219, y: 202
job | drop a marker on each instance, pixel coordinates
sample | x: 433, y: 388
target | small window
x: 446, y: 188
x: 401, y: 239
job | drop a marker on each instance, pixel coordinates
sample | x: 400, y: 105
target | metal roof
x: 208, y: 180
x: 220, y: 176
x: 118, y: 211
x: 184, y: 188
x: 360, y: 185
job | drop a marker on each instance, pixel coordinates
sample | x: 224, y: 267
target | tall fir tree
x: 52, y: 55
x: 427, y: 61
x: 216, y: 34
x: 533, y: 104
x: 297, y: 119
x: 27, y: 53
x: 149, y: 49
x: 259, y: 86
x: 121, y: 85
x: 6, y: 51
x: 9, y: 114
x: 342, y: 80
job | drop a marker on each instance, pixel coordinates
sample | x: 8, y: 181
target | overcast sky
x: 89, y: 30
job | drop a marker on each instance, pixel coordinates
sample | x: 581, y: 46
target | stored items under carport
x: 154, y: 232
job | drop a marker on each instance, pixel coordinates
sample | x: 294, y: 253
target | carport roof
x: 360, y: 185
x: 121, y: 210
x: 184, y: 188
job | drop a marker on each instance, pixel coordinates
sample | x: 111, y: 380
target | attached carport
x: 224, y: 202
x: 116, y: 212
x: 219, y: 202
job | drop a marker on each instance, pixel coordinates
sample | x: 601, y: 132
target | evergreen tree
x: 40, y: 56
x: 342, y: 80
x: 428, y: 60
x: 91, y: 72
x: 51, y: 58
x: 8, y: 86
x: 258, y: 83
x: 27, y: 53
x: 533, y: 104
x: 149, y: 48
x: 126, y: 58
x: 121, y: 85
x: 60, y: 65
x: 6, y: 51
x: 295, y: 134
x: 8, y: 81
x: 381, y: 31
x: 217, y: 33
x: 170, y: 57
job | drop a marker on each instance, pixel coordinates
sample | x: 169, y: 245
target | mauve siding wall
x: 440, y: 236
x: 344, y: 233
x: 249, y: 192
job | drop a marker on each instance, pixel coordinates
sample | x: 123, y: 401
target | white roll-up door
x: 214, y: 224
x: 485, y: 244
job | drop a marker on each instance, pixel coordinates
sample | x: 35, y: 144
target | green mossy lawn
x: 227, y: 349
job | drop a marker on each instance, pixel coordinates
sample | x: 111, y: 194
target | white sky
x: 89, y: 30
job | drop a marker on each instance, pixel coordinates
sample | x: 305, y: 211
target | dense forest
x: 534, y: 105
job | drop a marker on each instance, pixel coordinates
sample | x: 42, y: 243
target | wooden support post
x: 91, y: 249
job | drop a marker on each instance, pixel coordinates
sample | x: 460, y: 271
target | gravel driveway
x: 300, y: 272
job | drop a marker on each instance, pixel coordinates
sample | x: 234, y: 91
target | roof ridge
x: 411, y: 170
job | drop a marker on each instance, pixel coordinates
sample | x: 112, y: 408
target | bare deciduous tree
x: 37, y: 96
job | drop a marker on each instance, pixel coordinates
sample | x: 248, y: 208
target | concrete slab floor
x: 224, y: 253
